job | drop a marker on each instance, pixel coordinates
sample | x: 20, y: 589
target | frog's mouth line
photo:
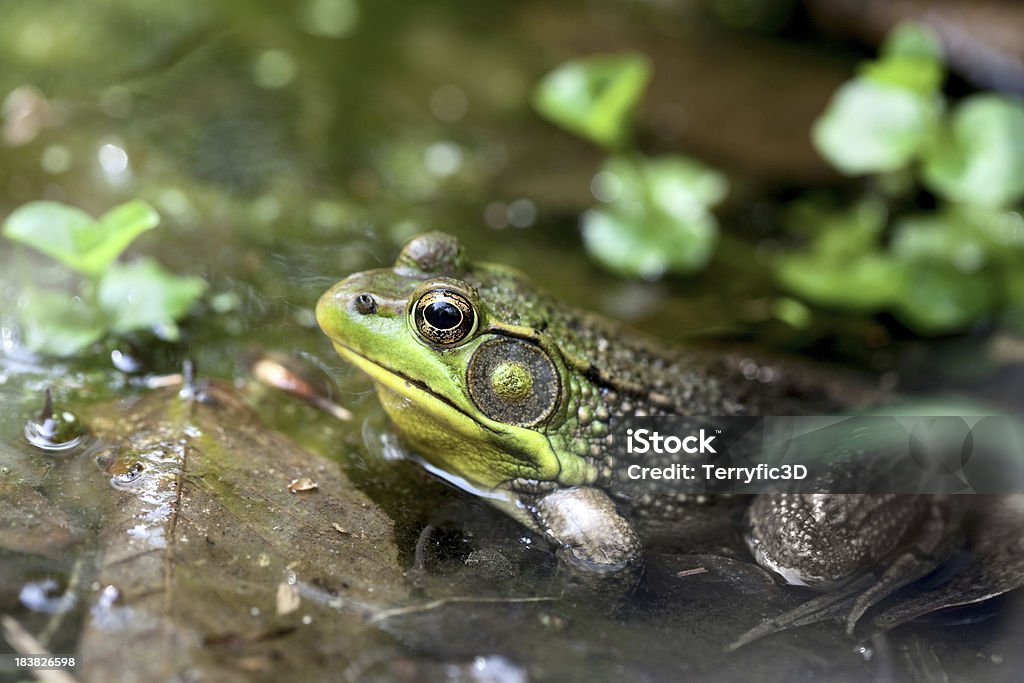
x: 416, y: 390
x: 393, y: 381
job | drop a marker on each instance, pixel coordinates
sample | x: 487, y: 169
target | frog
x: 507, y: 392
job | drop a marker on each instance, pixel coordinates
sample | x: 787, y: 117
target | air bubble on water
x: 54, y: 431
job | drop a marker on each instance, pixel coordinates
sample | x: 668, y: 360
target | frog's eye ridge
x: 444, y: 317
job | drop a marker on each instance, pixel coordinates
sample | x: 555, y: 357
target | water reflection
x: 288, y: 144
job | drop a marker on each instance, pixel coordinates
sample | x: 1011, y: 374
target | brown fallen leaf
x: 291, y: 376
x: 193, y: 549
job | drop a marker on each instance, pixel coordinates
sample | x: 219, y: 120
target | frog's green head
x: 460, y: 362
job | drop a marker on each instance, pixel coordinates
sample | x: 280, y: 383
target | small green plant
x: 655, y: 213
x: 937, y: 270
x: 110, y: 297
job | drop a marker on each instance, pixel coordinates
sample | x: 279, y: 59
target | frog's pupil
x: 442, y: 315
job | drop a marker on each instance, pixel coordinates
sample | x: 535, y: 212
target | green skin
x: 516, y: 405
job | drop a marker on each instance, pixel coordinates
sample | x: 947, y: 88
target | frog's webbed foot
x: 848, y: 603
x: 994, y: 563
x: 931, y: 544
x: 588, y: 530
x: 822, y: 608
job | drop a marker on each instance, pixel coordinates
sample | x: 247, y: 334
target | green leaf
x: 658, y: 218
x: 940, y: 238
x: 918, y: 75
x: 933, y: 276
x: 980, y: 160
x: 115, y: 230
x: 851, y: 233
x: 59, y: 324
x: 651, y: 247
x: 678, y: 184
x: 792, y: 312
x: 869, y: 282
x: 72, y: 237
x: 843, y: 265
x: 674, y: 184
x: 911, y: 39
x: 1014, y: 289
x: 50, y: 227
x: 963, y: 263
x: 910, y: 58
x: 875, y: 127
x: 142, y: 295
x: 595, y: 97
x: 940, y: 299
x: 838, y: 233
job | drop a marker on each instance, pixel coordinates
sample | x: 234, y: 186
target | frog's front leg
x: 859, y: 548
x: 588, y: 530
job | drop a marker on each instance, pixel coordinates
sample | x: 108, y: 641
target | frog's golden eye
x: 444, y: 317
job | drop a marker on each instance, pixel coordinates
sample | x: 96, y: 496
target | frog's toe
x: 904, y: 570
x: 991, y: 563
x: 847, y: 604
x: 834, y: 605
x: 993, y: 566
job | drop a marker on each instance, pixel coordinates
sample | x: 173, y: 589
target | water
x: 288, y: 144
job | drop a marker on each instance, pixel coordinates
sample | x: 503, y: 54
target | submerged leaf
x: 142, y: 295
x: 183, y: 552
x: 59, y: 324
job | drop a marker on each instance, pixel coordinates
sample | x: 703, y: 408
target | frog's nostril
x: 366, y: 304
